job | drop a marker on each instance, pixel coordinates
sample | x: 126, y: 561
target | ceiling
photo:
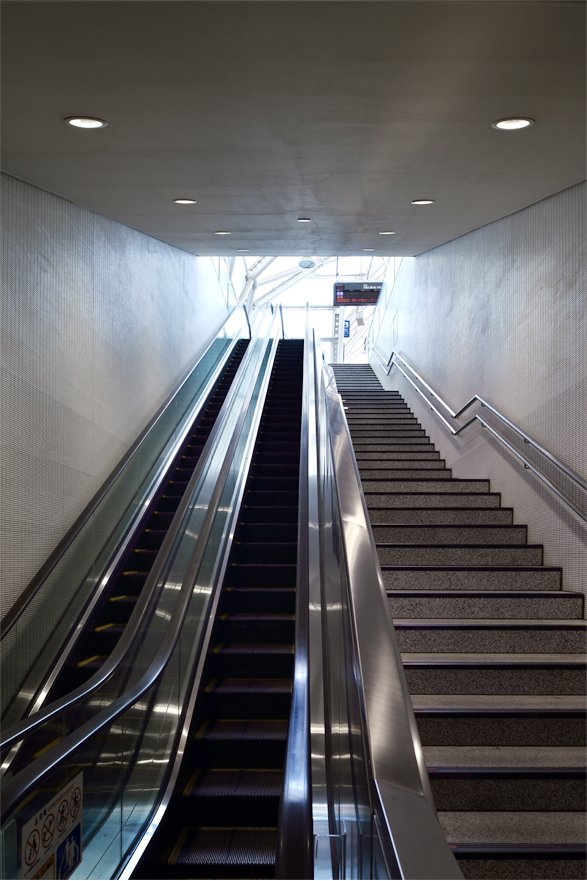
x: 264, y: 112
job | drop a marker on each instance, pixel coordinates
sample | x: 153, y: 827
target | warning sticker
x: 55, y: 830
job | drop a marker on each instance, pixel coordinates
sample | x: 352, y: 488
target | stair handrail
x: 394, y: 360
x: 400, y: 788
x: 30, y: 591
x: 15, y: 733
x: 21, y: 785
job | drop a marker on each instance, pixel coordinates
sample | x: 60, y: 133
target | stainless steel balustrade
x: 395, y: 358
x: 382, y: 822
x: 69, y: 584
x: 130, y: 748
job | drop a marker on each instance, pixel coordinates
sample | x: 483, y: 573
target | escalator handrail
x: 26, y: 726
x: 294, y: 857
x: 19, y: 787
x: 393, y: 360
x: 400, y: 781
x: 31, y: 590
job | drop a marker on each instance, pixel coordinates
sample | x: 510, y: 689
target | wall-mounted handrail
x: 28, y: 594
x: 395, y: 358
x: 19, y: 787
x: 294, y: 858
x: 16, y: 732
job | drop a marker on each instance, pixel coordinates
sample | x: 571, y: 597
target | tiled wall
x: 502, y: 312
x: 99, y: 322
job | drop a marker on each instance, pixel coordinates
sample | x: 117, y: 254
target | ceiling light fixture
x: 306, y: 263
x: 222, y: 232
x: 304, y: 219
x: 86, y: 122
x: 386, y: 233
x: 243, y: 250
x: 368, y: 249
x: 422, y: 201
x: 184, y: 201
x: 512, y: 123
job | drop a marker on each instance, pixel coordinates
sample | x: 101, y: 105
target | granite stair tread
x: 500, y: 757
x: 513, y: 827
x: 493, y: 659
x: 496, y: 703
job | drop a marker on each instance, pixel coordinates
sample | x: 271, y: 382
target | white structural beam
x: 299, y: 276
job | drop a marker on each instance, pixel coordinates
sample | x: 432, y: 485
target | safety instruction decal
x: 52, y: 839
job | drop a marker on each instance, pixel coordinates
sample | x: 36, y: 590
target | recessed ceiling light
x: 243, y: 250
x: 185, y: 201
x: 386, y: 233
x: 304, y: 219
x: 86, y: 122
x: 422, y: 201
x: 222, y: 233
x: 368, y: 249
x: 513, y: 123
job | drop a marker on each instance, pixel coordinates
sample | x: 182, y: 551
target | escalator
x: 223, y: 816
x: 109, y: 619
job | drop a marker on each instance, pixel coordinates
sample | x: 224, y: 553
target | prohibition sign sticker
x: 76, y: 800
x: 32, y: 847
x: 48, y: 831
x: 62, y: 814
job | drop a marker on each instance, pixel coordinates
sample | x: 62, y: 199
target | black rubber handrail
x: 395, y: 357
x: 21, y: 785
x: 295, y: 855
x: 26, y: 597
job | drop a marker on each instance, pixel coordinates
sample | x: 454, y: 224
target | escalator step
x: 235, y: 783
x: 249, y: 686
x: 254, y: 648
x: 243, y: 729
x: 225, y: 846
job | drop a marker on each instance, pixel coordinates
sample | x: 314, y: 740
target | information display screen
x: 356, y: 293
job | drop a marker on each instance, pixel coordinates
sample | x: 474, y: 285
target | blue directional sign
x: 347, y: 329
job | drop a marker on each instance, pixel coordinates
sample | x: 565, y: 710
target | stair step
x: 464, y: 555
x: 513, y: 827
x: 471, y: 578
x: 490, y: 635
x: 447, y: 498
x: 364, y: 458
x: 494, y: 673
x: 431, y: 534
x: 504, y: 758
x: 406, y: 472
x: 522, y: 605
x: 425, y: 485
x: 441, y: 516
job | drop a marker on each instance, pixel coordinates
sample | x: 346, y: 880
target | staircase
x: 493, y: 648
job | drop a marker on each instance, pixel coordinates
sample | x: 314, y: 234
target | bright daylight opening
x: 345, y: 332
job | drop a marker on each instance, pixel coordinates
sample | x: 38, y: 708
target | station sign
x: 357, y: 293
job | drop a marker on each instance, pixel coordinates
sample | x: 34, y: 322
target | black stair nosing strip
x: 375, y: 492
x: 500, y: 712
x: 385, y: 567
x: 480, y: 594
x: 475, y: 624
x: 506, y: 772
x: 442, y: 664
x: 523, y: 851
x: 453, y: 508
x: 493, y: 547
